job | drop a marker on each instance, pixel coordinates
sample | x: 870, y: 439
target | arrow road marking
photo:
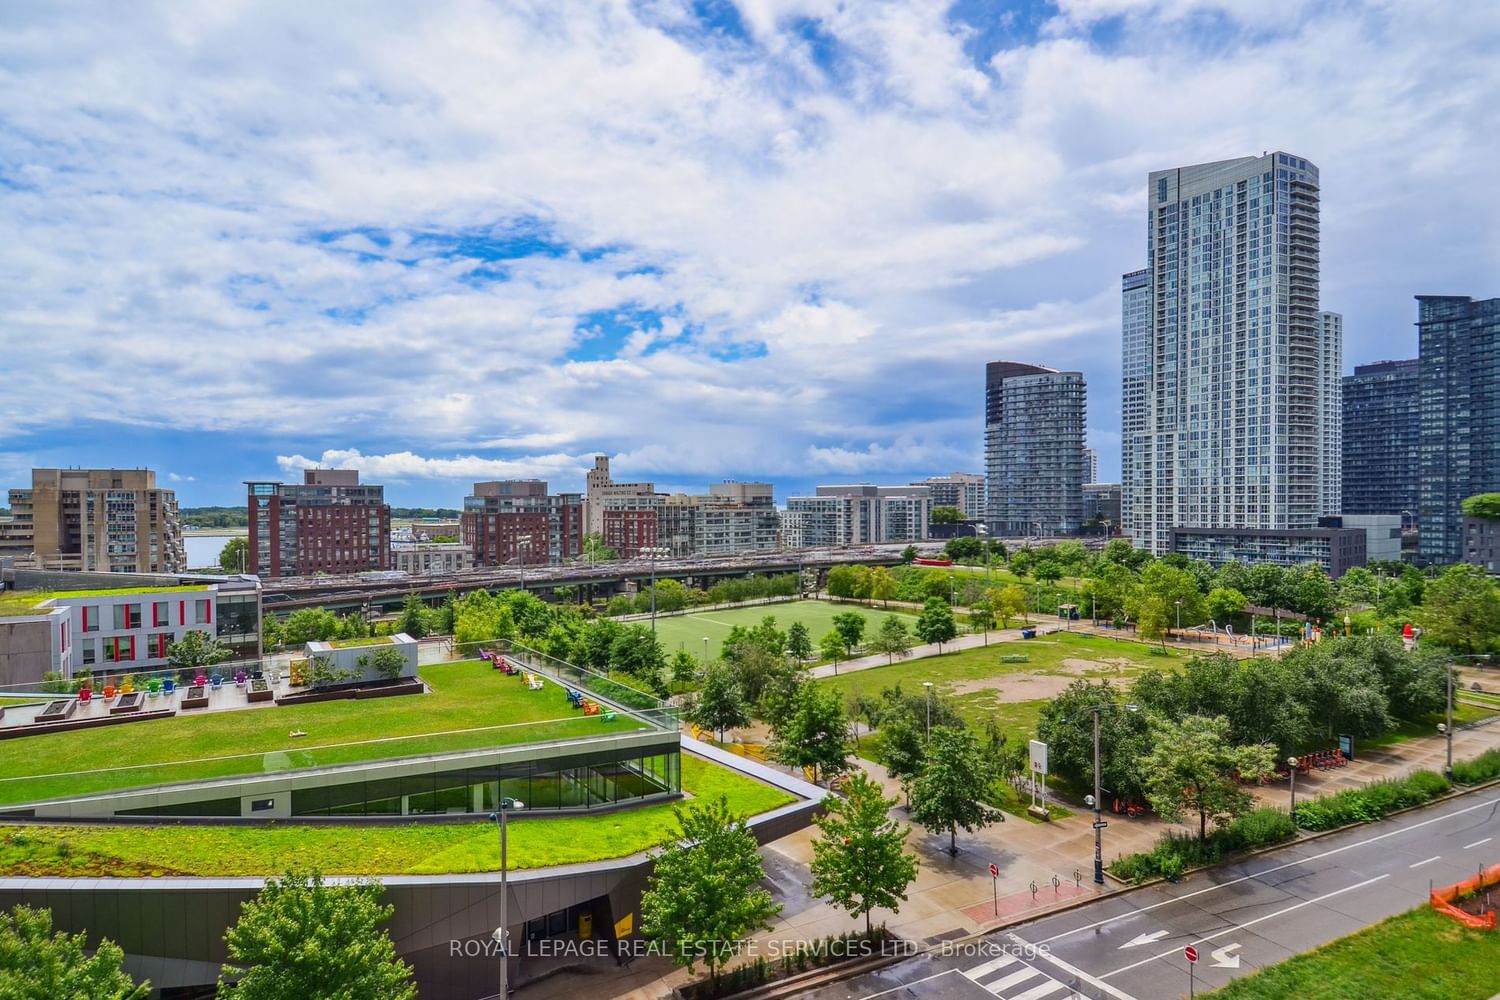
x: 1140, y: 939
x: 1476, y: 843
x: 1223, y: 959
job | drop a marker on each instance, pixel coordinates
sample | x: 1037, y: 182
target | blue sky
x: 770, y: 239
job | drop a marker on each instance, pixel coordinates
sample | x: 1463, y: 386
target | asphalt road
x: 1239, y: 917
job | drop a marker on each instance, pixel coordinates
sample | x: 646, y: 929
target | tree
x: 594, y: 549
x: 945, y: 515
x: 1313, y: 594
x: 1009, y: 602
x: 964, y: 548
x: 720, y: 703
x: 1194, y: 768
x: 309, y: 624
x: 908, y: 554
x: 1166, y: 596
x: 842, y: 581
x: 196, y: 649
x: 814, y: 733
x: 860, y: 862
x: 831, y: 647
x: 637, y: 652
x: 799, y: 642
x: 1066, y: 725
x: 1224, y: 603
x: 1357, y: 588
x: 1342, y: 690
x: 1047, y: 570
x: 891, y: 638
x: 1482, y: 505
x: 1268, y: 586
x: 904, y: 751
x: 300, y: 938
x: 1461, y: 609
x: 36, y: 964
x: 946, y: 795
x: 935, y: 623
x: 671, y: 595
x: 882, y: 585
x: 851, y: 628
x: 414, y: 617
x: 1110, y: 590
x: 234, y: 555
x: 703, y: 895
x: 388, y: 662
x: 682, y: 668
x: 981, y: 616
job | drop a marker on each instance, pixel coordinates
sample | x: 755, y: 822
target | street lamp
x: 705, y: 652
x: 928, y: 686
x: 1097, y: 799
x: 653, y: 552
x: 1291, y: 763
x: 502, y: 933
x: 1446, y: 728
x: 984, y: 532
x: 1178, y: 602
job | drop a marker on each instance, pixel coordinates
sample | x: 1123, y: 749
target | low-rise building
x: 420, y: 557
x: 1383, y: 533
x: 963, y: 490
x: 1101, y: 502
x: 121, y: 630
x: 1337, y: 550
x: 859, y: 514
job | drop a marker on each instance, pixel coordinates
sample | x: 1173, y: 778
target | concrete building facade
x: 1233, y: 438
x: 964, y: 490
x: 859, y: 514
x: 329, y: 523
x: 1482, y: 543
x: 600, y: 490
x: 1135, y: 385
x: 1331, y: 411
x: 1382, y: 438
x: 1034, y: 452
x: 95, y: 520
x: 1459, y: 340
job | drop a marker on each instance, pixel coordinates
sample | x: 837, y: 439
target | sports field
x: 687, y: 631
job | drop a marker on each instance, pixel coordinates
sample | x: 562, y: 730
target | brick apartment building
x: 516, y: 521
x: 329, y: 523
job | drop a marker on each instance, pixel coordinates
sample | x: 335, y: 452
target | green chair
x: 154, y: 686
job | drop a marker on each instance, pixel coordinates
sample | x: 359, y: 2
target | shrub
x: 1266, y: 825
x: 1478, y: 769
x: 1377, y: 799
x: 1175, y: 852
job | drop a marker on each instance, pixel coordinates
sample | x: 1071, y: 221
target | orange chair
x: 109, y: 691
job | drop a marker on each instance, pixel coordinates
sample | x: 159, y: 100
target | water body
x: 203, y: 547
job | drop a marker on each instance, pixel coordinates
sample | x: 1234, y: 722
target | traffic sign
x: 1100, y: 824
x: 1190, y: 953
x: 994, y: 871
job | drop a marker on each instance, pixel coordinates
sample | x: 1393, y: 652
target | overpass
x: 381, y: 592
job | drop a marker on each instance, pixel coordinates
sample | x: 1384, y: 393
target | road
x: 1240, y: 917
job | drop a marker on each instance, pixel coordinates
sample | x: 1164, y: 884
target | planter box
x: 56, y: 711
x: 358, y: 689
x: 195, y: 697
x: 128, y: 703
x: 259, y: 691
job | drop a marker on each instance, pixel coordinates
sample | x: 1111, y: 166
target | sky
x: 765, y: 239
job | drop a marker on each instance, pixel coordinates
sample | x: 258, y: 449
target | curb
x: 800, y: 983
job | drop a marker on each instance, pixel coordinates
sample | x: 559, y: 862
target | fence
x: 1442, y: 899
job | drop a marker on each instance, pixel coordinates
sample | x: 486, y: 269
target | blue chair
x: 215, y: 682
x: 168, y: 686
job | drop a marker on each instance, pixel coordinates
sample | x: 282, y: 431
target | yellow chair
x: 128, y: 687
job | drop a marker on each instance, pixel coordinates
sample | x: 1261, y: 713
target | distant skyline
x: 770, y: 240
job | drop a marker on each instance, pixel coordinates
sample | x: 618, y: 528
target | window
x: 127, y: 616
x: 90, y: 651
x: 204, y: 610
x: 90, y: 618
x: 160, y: 614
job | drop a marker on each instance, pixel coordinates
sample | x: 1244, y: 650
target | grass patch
x: 375, y: 640
x: 1411, y: 729
x: 686, y: 632
x: 466, y: 696
x: 414, y: 848
x: 1419, y: 955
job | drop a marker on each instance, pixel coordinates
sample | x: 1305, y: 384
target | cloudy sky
x: 765, y: 239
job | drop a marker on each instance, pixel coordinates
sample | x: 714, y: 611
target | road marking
x: 1250, y: 923
x: 1419, y: 864
x: 1141, y: 939
x: 999, y: 986
x: 1488, y: 803
x: 991, y: 966
x: 1223, y: 959
x: 914, y: 982
x: 1476, y: 843
x: 1073, y: 970
x: 1037, y: 992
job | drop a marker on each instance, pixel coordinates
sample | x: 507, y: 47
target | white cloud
x: 255, y: 219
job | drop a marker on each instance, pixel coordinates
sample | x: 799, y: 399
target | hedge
x: 1377, y: 799
x: 1175, y: 852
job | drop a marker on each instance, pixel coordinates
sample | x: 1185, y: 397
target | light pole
x: 1291, y: 763
x: 928, y: 686
x: 503, y: 931
x: 1447, y: 727
x: 653, y: 552
x: 1097, y: 799
x: 705, y: 652
x: 1346, y: 626
x: 1179, y: 614
x: 984, y: 532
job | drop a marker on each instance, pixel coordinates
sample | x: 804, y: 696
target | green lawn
x: 1419, y: 955
x: 687, y: 631
x: 413, y: 848
x: 468, y: 701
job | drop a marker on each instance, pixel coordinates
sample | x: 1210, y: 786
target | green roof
x: 122, y: 591
x: 19, y: 603
x: 374, y: 640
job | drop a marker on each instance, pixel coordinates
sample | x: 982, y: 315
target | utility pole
x: 503, y: 932
x: 1098, y: 809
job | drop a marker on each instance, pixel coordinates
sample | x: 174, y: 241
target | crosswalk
x: 1010, y: 978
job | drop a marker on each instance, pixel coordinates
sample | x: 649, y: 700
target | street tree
x: 37, y: 964
x: 1193, y: 767
x: 1461, y: 609
x: 233, y: 556
x: 945, y: 796
x: 831, y: 647
x: 860, y: 862
x: 720, y: 703
x: 851, y: 628
x: 703, y: 896
x: 1165, y: 596
x: 300, y: 938
x: 903, y: 749
x: 945, y: 515
x: 813, y: 733
x: 196, y: 649
x: 414, y: 617
x: 883, y: 585
x: 799, y: 642
x: 891, y: 638
x: 1066, y: 725
x: 1009, y: 602
x: 935, y: 623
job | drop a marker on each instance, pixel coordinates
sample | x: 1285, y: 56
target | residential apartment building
x: 1135, y: 385
x: 1337, y: 550
x: 859, y: 514
x: 1459, y: 344
x: 1034, y: 456
x: 413, y: 553
x: 1101, y: 502
x: 95, y: 520
x: 329, y: 523
x: 123, y: 630
x: 1382, y: 438
x: 1232, y: 450
x: 1482, y: 543
x: 1091, y: 465
x: 733, y: 518
x: 601, y: 493
x: 1331, y: 411
x: 516, y: 521
x: 964, y: 490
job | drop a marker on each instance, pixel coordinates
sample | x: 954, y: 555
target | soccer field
x: 687, y: 631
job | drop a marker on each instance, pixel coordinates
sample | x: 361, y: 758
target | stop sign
x: 1191, y: 953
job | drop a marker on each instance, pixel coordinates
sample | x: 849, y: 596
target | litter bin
x: 1028, y: 633
x: 585, y: 926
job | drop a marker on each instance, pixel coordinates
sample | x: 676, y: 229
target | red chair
x: 85, y: 696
